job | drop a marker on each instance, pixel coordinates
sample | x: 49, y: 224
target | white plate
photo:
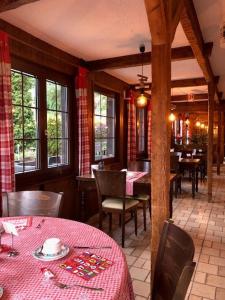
x: 65, y: 250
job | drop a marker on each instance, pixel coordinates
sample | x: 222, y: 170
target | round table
x: 21, y: 276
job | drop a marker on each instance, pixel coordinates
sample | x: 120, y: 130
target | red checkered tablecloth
x: 131, y: 177
x: 21, y: 276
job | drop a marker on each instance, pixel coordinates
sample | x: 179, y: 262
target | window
x: 141, y: 130
x: 25, y: 117
x: 104, y: 125
x: 57, y: 124
x: 41, y: 123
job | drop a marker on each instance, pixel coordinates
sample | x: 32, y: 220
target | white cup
x: 52, y: 246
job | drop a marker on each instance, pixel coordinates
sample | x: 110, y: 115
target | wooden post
x: 163, y: 17
x: 218, y: 143
x: 222, y: 137
x: 211, y: 92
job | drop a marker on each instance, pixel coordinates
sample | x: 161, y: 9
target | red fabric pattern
x: 7, y: 174
x: 83, y: 130
x: 149, y: 117
x: 131, y: 147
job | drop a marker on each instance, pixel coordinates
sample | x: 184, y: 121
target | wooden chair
x: 174, y: 168
x: 139, y: 165
x: 32, y: 203
x: 142, y: 166
x: 174, y: 264
x: 111, y: 189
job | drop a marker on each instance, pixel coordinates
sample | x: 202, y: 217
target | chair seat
x: 115, y: 203
x: 141, y: 197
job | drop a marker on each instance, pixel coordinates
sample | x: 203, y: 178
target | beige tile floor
x: 204, y: 221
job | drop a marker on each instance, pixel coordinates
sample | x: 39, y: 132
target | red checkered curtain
x: 131, y: 147
x: 81, y: 84
x: 7, y: 174
x: 149, y: 120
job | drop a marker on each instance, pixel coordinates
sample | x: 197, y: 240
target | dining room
x: 111, y: 149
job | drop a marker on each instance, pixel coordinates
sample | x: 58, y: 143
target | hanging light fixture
x: 172, y: 117
x: 142, y: 99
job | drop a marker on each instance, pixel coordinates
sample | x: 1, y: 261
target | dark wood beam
x: 191, y: 27
x: 182, y: 82
x: 200, y: 107
x: 133, y: 60
x: 12, y: 4
x: 178, y: 98
x: 190, y: 24
x: 20, y: 37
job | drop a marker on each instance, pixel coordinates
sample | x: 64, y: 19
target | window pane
x: 63, y: 151
x: 111, y: 107
x: 29, y: 91
x: 30, y: 155
x: 61, y: 98
x: 51, y: 95
x: 57, y: 124
x: 18, y: 154
x: 16, y: 88
x: 62, y: 123
x: 104, y: 126
x: 30, y: 123
x: 17, y: 122
x: 97, y: 103
x: 98, y: 149
x: 110, y: 127
x: 25, y: 121
x: 103, y: 105
x: 51, y: 124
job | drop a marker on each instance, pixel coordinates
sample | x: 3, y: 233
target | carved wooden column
x: 163, y: 17
x: 211, y: 92
x: 218, y: 143
x: 222, y: 137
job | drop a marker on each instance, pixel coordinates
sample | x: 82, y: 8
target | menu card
x: 87, y: 265
x: 20, y: 222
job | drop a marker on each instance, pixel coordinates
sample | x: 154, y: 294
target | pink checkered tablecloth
x: 131, y: 177
x: 21, y: 276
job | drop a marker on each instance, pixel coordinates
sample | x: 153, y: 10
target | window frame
x: 43, y: 74
x: 115, y: 95
x: 142, y: 154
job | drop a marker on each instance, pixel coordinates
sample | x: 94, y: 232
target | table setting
x: 60, y: 259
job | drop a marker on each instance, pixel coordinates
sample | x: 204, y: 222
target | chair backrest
x: 174, y: 163
x: 110, y: 183
x: 139, y: 165
x: 32, y: 203
x: 174, y: 264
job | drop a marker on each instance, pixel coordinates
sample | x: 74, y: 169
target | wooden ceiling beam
x: 191, y: 27
x: 181, y: 83
x: 12, y: 4
x: 179, y: 98
x: 197, y: 107
x: 134, y: 60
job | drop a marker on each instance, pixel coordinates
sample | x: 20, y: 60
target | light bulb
x: 172, y: 117
x: 141, y: 100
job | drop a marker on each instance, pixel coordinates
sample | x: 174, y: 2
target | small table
x: 143, y: 186
x: 191, y: 164
x: 21, y: 276
x: 140, y: 186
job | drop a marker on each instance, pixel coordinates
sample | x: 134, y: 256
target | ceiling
x: 116, y: 28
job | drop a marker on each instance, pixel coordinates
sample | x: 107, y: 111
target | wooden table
x: 140, y: 186
x: 143, y: 186
x: 191, y: 164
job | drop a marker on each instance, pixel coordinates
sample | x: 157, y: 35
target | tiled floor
x: 205, y: 222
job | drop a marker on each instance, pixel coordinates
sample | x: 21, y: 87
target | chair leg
x: 150, y: 208
x: 135, y: 220
x: 123, y: 229
x: 120, y: 222
x: 144, y: 214
x: 110, y: 222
